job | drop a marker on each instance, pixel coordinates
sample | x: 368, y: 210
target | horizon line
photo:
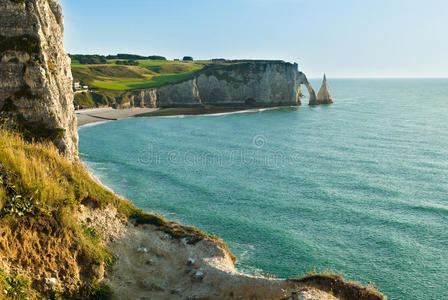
x: 382, y: 77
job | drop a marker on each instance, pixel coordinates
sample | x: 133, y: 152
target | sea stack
x: 36, y: 94
x: 324, y: 97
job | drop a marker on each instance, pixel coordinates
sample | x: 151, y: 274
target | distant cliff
x: 35, y: 74
x: 249, y: 83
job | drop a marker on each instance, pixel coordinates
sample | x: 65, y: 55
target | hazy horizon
x: 345, y: 39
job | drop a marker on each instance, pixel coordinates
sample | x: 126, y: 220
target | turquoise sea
x: 359, y: 187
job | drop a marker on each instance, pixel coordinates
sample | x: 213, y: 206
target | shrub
x: 89, y: 59
x: 13, y: 287
x: 129, y: 62
x: 27, y: 43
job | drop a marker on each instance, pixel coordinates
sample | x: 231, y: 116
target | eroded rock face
x: 267, y: 83
x: 324, y: 97
x: 145, y: 98
x: 35, y: 75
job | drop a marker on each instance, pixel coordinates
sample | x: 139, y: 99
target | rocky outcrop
x: 313, y: 99
x: 323, y: 97
x: 250, y: 83
x: 144, y: 98
x: 35, y: 76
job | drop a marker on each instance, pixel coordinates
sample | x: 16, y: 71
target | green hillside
x: 145, y: 74
x: 110, y: 83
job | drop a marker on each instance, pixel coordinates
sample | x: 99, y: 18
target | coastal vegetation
x: 27, y: 43
x: 40, y: 192
x: 122, y: 75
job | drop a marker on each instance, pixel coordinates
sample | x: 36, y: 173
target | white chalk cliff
x: 35, y: 75
x: 248, y: 83
x: 324, y: 97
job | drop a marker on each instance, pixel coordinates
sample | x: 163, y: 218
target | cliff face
x: 242, y: 84
x: 35, y: 75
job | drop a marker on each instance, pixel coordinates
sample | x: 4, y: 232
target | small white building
x: 85, y: 87
x: 76, y: 85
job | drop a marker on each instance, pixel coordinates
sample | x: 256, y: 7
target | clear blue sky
x: 345, y: 38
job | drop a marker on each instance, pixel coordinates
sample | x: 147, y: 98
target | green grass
x: 147, y: 82
x: 148, y: 74
x: 14, y: 287
x: 111, y: 82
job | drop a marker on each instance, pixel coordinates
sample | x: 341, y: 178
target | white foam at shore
x: 252, y: 110
x: 93, y: 124
x: 99, y: 182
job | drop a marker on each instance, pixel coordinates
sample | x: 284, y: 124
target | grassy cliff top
x: 145, y: 74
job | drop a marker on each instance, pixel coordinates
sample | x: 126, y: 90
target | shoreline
x: 101, y: 115
x: 98, y: 115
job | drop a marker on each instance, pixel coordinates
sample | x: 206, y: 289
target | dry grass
x: 38, y: 174
x: 2, y: 196
x: 39, y: 195
x: 179, y: 231
x: 40, y: 192
x: 336, y: 285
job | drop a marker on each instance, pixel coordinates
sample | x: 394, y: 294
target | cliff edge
x: 35, y: 76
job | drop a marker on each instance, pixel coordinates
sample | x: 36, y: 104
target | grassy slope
x: 112, y: 83
x: 39, y: 193
x: 147, y: 74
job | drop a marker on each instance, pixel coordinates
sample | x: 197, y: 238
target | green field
x: 147, y: 74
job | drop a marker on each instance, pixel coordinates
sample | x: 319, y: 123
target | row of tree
x: 135, y: 57
x: 102, y: 59
x: 129, y: 62
x: 89, y: 59
x: 128, y: 59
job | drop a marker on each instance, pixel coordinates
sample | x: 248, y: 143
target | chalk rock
x: 51, y: 282
x: 324, y: 97
x: 142, y: 249
x: 35, y: 75
x: 199, y: 275
x: 246, y: 83
x: 176, y: 291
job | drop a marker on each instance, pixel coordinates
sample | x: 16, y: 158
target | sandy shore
x: 204, y: 110
x: 94, y: 115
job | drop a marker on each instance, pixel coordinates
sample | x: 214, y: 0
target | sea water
x: 358, y: 187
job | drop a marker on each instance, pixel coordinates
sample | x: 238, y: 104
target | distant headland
x: 128, y: 80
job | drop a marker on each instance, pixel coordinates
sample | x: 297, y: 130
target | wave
x: 245, y: 111
x: 439, y: 209
x: 253, y: 110
x: 93, y: 124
